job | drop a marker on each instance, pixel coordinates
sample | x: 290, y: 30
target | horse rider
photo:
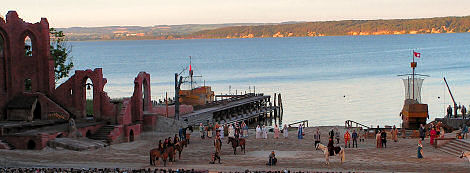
x: 331, y: 146
x: 161, y: 148
x: 176, y: 139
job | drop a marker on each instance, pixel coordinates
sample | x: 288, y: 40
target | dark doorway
x: 131, y: 136
x: 31, y: 145
x: 88, y: 134
x: 37, y: 112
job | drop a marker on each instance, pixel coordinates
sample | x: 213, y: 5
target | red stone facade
x: 28, y: 76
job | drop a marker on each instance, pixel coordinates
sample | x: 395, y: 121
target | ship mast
x: 413, y: 66
x: 191, y: 72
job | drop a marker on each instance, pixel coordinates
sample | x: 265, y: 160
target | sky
x: 87, y: 13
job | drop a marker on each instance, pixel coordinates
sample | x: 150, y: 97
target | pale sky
x: 69, y: 13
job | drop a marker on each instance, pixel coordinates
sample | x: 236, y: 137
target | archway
x: 31, y: 145
x: 28, y: 46
x: 88, y: 134
x: 144, y: 95
x: 131, y: 136
x: 88, y: 86
x: 37, y: 111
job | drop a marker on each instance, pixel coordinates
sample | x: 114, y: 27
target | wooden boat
x: 414, y: 112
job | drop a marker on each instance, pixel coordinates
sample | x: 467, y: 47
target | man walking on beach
x: 316, y: 137
x: 422, y: 133
x: 383, y: 136
x: 354, y: 138
x: 347, y: 136
x: 449, y: 112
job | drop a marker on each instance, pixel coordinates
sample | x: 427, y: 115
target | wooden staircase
x: 455, y: 147
x: 102, y: 133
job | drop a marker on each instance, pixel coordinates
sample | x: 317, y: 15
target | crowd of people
x: 98, y: 170
x: 125, y: 170
x: 234, y: 130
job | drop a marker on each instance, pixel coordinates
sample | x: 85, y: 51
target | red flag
x: 189, y: 67
x: 416, y: 54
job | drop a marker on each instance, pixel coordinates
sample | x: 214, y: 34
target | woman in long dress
x: 231, y: 131
x: 420, y: 150
x: 285, y: 131
x: 276, y: 132
x: 201, y: 130
x: 258, y: 132
x: 265, y: 132
x: 433, y: 134
x: 378, y: 140
x: 395, y: 134
x: 221, y: 132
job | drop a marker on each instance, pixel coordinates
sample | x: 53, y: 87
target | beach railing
x: 349, y: 123
x: 303, y: 122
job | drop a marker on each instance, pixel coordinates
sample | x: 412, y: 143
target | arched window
x: 28, y: 85
x: 28, y: 46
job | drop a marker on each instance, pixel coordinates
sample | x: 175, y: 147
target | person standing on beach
x: 464, y: 131
x: 383, y: 137
x: 201, y: 130
x: 276, y: 132
x: 337, y: 135
x: 258, y: 132
x: 354, y: 138
x: 316, y: 137
x: 432, y: 135
x: 378, y: 139
x: 221, y: 132
x: 422, y: 132
x: 299, y: 132
x: 420, y: 150
x: 231, y: 131
x: 347, y: 137
x: 285, y: 131
x: 395, y: 134
x: 265, y: 132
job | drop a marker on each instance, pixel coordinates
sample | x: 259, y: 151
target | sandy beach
x: 293, y: 154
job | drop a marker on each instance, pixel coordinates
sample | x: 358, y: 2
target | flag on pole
x: 416, y: 54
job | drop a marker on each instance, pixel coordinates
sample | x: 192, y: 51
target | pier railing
x: 303, y: 122
x: 349, y: 123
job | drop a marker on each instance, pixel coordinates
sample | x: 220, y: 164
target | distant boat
x: 414, y: 112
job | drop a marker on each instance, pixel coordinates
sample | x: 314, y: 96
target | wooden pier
x: 249, y: 108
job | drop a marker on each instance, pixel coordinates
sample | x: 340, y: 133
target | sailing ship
x: 195, y: 96
x: 414, y: 112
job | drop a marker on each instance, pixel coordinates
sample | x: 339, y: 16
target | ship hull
x: 414, y: 114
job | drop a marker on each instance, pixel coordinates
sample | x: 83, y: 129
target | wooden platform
x: 236, y: 104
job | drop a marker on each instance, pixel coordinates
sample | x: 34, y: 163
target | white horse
x: 341, y: 153
x: 465, y: 154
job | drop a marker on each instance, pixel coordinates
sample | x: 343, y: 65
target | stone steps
x: 9, y: 146
x: 102, y: 133
x: 455, y: 147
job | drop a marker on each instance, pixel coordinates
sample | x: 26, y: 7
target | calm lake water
x: 325, y: 80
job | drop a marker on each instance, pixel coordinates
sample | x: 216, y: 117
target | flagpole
x: 413, y: 65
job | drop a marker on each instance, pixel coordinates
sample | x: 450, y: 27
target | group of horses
x: 169, y: 152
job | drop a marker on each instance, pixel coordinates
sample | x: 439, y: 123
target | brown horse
x: 154, y: 155
x: 179, y: 147
x: 183, y: 143
x: 237, y: 143
x: 168, y: 154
